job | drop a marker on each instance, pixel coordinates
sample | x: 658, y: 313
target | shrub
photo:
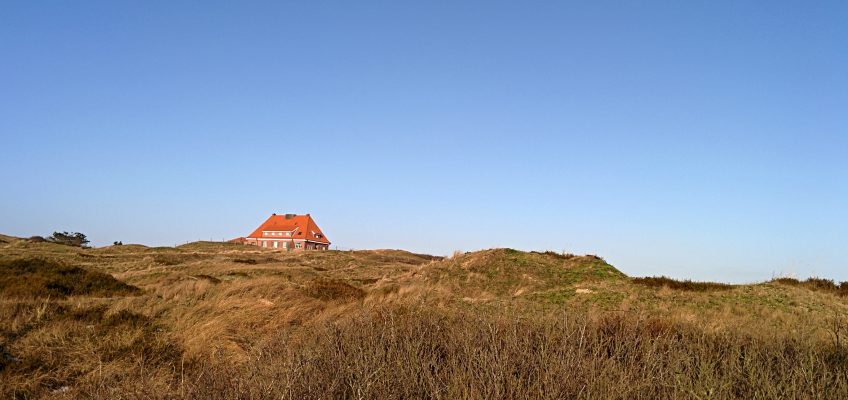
x: 209, y: 278
x: 663, y: 281
x: 35, y: 277
x: 333, y: 289
x: 563, y: 255
x: 177, y: 259
x: 816, y: 284
x: 76, y: 239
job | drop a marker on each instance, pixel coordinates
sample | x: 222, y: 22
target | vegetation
x: 36, y: 277
x: 69, y: 238
x: 333, y: 289
x: 662, y: 281
x: 817, y: 284
x: 215, y: 320
x: 414, y: 353
x: 81, y: 351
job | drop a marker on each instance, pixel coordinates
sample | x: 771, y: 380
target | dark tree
x: 69, y: 238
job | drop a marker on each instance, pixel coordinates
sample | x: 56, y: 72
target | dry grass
x: 214, y: 320
x: 414, y: 353
x: 52, y: 346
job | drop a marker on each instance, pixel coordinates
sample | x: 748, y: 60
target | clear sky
x: 696, y: 139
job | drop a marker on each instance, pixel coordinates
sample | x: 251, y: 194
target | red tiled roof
x: 304, y: 227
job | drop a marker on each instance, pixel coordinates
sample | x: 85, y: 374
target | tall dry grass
x: 411, y: 352
x: 414, y: 353
x: 77, y: 349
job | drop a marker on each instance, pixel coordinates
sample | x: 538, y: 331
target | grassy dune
x: 214, y: 320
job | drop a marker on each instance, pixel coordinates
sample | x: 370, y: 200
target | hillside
x: 215, y: 301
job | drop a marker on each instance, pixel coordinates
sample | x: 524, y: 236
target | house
x: 287, y: 232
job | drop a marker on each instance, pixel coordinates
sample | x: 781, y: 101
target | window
x: 264, y: 244
x: 297, y: 245
x: 276, y: 244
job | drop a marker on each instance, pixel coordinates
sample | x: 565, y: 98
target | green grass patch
x: 557, y: 296
x: 606, y: 299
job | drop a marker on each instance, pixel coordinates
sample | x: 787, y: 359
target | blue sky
x: 699, y: 139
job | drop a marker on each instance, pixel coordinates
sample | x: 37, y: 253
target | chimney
x: 290, y: 216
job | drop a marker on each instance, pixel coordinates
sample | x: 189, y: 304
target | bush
x: 35, y: 277
x: 69, y: 239
x: 563, y: 255
x: 209, y: 278
x: 333, y: 289
x: 816, y: 284
x: 663, y: 281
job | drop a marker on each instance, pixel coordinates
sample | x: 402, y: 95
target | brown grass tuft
x: 333, y: 289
